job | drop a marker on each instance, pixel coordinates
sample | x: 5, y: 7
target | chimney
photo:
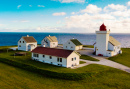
x: 27, y: 35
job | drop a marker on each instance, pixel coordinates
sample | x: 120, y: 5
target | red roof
x: 52, y: 51
x: 103, y: 27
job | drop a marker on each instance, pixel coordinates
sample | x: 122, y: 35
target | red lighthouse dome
x: 103, y: 27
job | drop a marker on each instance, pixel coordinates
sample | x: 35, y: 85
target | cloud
x: 128, y: 3
x: 40, y: 6
x: 30, y: 5
x: 19, y: 6
x: 118, y: 19
x: 70, y: 1
x: 59, y: 14
x: 22, y: 21
x: 47, y: 29
x: 73, y: 13
x: 115, y: 7
x: 1, y: 25
x: 91, y: 9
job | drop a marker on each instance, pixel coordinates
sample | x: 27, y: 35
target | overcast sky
x: 71, y: 16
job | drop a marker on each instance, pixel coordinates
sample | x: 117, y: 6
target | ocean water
x: 11, y: 38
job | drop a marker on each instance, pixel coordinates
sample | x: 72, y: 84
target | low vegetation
x: 88, y: 46
x: 82, y: 62
x: 123, y: 58
x: 26, y: 73
x: 85, y: 57
x: 106, y: 78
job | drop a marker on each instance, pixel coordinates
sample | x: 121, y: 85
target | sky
x: 67, y: 16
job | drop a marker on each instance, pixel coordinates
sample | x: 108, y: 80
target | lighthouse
x: 105, y: 44
x: 102, y: 38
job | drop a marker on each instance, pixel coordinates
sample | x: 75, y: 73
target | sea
x: 11, y: 38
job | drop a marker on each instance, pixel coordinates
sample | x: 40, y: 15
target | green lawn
x: 82, y: 62
x: 123, y: 58
x: 85, y: 57
x: 106, y: 78
x: 88, y: 46
x: 97, y: 76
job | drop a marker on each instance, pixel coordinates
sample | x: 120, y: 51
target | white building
x: 27, y: 43
x: 72, y: 44
x: 106, y: 45
x: 49, y: 41
x: 59, y: 57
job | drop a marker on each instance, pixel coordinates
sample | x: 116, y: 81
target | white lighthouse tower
x: 102, y: 38
x: 106, y: 45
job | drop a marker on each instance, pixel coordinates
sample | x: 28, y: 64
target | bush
x: 67, y: 76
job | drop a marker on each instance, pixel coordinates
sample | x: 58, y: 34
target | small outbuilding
x: 73, y: 44
x: 59, y: 57
x: 49, y: 41
x: 27, y: 43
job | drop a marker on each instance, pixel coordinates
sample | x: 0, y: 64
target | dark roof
x: 53, y: 51
x: 113, y: 41
x: 29, y: 39
x: 76, y: 42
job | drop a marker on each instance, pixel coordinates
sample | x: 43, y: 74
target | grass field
x: 85, y: 57
x: 15, y: 78
x: 98, y: 76
x: 123, y: 58
x: 82, y: 62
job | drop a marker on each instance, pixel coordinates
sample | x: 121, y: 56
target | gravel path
x: 102, y: 61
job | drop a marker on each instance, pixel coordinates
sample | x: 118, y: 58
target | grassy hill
x: 24, y: 73
x: 15, y: 78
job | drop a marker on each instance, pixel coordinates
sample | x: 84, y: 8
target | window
x: 23, y: 41
x: 43, y: 55
x: 72, y: 59
x: 66, y: 46
x: 35, y: 55
x: 60, y: 59
x: 71, y: 46
x: 19, y: 45
x: 50, y: 57
x: 51, y: 62
x: 69, y: 43
x: 75, y: 58
x: 53, y: 43
x: 20, y: 41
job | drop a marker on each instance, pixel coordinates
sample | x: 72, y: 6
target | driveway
x: 102, y: 60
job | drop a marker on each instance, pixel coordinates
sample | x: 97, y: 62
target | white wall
x: 66, y: 62
x: 74, y: 62
x: 32, y: 46
x: 47, y: 59
x: 50, y: 44
x: 71, y: 46
x: 23, y: 45
x: 102, y: 38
